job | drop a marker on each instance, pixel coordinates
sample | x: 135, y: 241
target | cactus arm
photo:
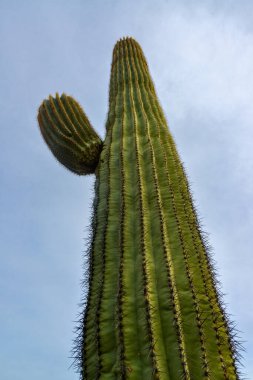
x: 69, y: 134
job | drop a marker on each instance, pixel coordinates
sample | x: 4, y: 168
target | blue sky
x: 200, y: 55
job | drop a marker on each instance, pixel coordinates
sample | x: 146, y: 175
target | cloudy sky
x: 200, y: 55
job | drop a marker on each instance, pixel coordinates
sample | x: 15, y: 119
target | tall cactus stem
x: 153, y: 309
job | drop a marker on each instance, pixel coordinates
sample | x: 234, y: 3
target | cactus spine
x: 152, y: 310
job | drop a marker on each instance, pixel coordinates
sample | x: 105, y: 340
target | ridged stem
x: 153, y: 310
x: 69, y: 134
x: 213, y: 315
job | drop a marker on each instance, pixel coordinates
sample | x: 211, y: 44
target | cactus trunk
x: 153, y: 310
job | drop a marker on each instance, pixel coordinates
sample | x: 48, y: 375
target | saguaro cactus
x: 153, y: 310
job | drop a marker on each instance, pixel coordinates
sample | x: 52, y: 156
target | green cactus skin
x: 69, y: 134
x: 153, y: 310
